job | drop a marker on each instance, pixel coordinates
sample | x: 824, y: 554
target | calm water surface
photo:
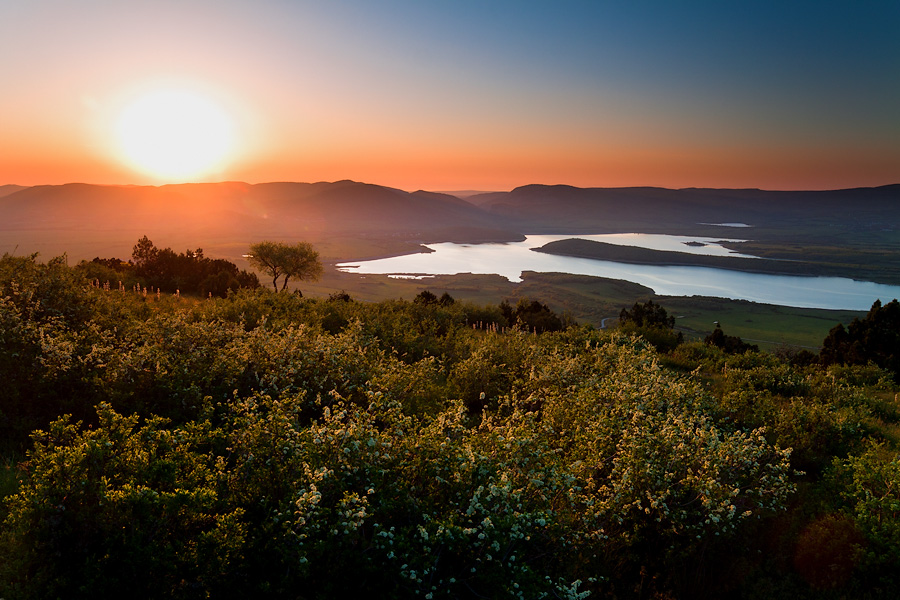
x: 511, y: 259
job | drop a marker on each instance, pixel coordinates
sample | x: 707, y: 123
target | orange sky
x: 464, y: 96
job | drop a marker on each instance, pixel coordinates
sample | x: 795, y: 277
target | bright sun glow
x: 176, y: 135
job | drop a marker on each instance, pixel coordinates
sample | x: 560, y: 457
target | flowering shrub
x: 871, y: 489
x: 117, y: 508
x: 553, y: 485
x: 265, y: 445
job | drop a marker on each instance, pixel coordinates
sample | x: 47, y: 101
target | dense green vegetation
x: 876, y: 339
x: 653, y: 323
x: 268, y: 445
x: 164, y: 270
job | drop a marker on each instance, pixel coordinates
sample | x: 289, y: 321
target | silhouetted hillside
x: 340, y: 206
x: 7, y: 189
x: 561, y: 208
x: 94, y: 220
x: 237, y: 212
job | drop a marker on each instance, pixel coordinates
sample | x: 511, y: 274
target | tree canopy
x: 277, y: 260
x: 189, y: 272
x: 875, y: 338
x: 731, y: 344
x: 531, y: 315
x: 652, y: 322
x: 647, y: 314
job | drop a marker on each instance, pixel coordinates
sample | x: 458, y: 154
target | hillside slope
x: 86, y: 220
x: 772, y: 214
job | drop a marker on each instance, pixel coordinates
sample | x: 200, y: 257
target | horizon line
x: 467, y: 191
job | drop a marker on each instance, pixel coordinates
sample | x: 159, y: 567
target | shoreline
x: 577, y: 248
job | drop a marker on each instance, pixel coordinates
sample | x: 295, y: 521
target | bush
x: 731, y: 344
x: 531, y: 315
x: 876, y: 338
x: 653, y: 323
x: 262, y: 443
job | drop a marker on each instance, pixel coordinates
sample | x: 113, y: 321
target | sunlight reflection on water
x: 511, y: 259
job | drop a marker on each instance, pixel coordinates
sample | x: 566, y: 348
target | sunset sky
x: 480, y: 94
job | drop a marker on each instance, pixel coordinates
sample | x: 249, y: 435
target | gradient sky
x: 481, y: 94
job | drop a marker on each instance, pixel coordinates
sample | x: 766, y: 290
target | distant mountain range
x: 193, y: 214
x: 9, y: 189
x: 89, y: 220
x: 566, y: 209
x: 283, y: 208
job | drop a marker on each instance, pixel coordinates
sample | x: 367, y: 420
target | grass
x: 593, y: 299
x: 765, y: 325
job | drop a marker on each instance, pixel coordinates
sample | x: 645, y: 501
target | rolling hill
x: 95, y: 220
x: 773, y: 214
x: 88, y: 220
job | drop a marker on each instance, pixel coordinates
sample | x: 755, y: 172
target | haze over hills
x: 9, y: 189
x: 89, y: 220
x: 567, y: 209
x: 84, y: 219
x: 339, y: 206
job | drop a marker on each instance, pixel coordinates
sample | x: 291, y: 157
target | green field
x: 593, y: 299
x: 765, y: 325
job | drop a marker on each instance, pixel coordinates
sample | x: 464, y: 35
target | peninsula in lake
x: 863, y: 264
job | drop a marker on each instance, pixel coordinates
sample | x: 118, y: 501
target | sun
x: 175, y: 135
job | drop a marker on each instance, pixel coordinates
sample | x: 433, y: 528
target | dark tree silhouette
x: 531, y: 315
x: 876, y: 338
x: 647, y: 314
x: 425, y: 297
x: 189, y: 272
x: 653, y: 323
x: 731, y: 344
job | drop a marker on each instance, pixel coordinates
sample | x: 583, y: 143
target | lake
x: 511, y: 259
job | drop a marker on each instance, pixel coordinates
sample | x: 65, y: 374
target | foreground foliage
x: 876, y: 338
x: 166, y: 271
x: 266, y: 445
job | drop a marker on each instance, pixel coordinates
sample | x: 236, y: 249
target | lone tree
x: 276, y: 259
